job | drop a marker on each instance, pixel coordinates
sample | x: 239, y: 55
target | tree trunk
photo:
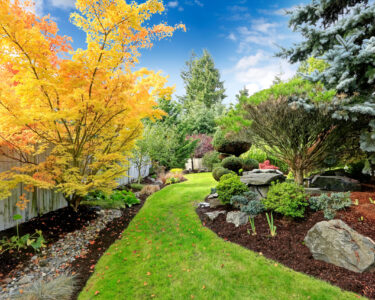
x: 298, y: 176
x: 192, y: 164
x: 74, y: 201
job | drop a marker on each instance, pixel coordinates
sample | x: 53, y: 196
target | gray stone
x: 214, y: 214
x: 261, y: 178
x: 215, y: 202
x: 212, y: 196
x: 263, y: 171
x: 237, y: 218
x: 203, y: 204
x: 335, y: 183
x: 336, y: 243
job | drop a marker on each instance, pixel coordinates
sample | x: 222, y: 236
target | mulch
x: 288, y: 248
x: 55, y: 225
x: 84, y: 266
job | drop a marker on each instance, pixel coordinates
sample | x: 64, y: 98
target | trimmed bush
x: 229, y: 186
x: 232, y: 163
x: 220, y: 171
x: 210, y: 159
x: 249, y: 164
x: 288, y: 199
x: 330, y: 204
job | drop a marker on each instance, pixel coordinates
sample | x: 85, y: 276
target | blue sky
x: 241, y: 35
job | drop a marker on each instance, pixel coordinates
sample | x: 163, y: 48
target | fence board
x: 43, y: 201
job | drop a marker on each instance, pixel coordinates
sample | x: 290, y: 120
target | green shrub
x: 209, y: 159
x: 253, y: 208
x: 232, y: 163
x: 249, y: 164
x: 220, y: 171
x: 288, y: 199
x: 229, y: 186
x: 118, y: 199
x: 127, y: 197
x: 330, y: 204
x: 136, y: 186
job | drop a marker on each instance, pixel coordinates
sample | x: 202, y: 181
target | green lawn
x: 166, y: 253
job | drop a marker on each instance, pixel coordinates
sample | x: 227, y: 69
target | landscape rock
x: 257, y: 171
x: 214, y: 214
x: 261, y: 178
x: 336, y: 243
x: 212, y: 196
x: 203, y: 204
x: 335, y: 183
x: 237, y: 218
x: 215, y: 202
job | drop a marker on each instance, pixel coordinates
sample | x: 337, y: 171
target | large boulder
x: 259, y: 181
x: 237, y: 218
x: 335, y: 183
x: 336, y: 243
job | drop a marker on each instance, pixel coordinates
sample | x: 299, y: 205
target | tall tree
x: 82, y: 111
x: 202, y: 81
x: 342, y: 33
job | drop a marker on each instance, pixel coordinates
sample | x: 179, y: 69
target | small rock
x: 237, y: 218
x: 214, y: 214
x: 7, y: 280
x: 212, y: 196
x: 203, y: 204
x: 215, y: 202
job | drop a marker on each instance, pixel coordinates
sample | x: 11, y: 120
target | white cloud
x: 39, y: 7
x: 263, y: 26
x: 194, y: 2
x: 258, y: 71
x: 232, y: 37
x: 64, y: 4
x: 173, y: 4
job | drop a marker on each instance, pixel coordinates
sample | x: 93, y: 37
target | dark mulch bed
x: 54, y: 225
x: 84, y: 266
x: 288, y: 247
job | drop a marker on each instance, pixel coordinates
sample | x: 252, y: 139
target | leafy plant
x: 209, y: 159
x: 35, y: 241
x: 218, y: 172
x: 127, y: 197
x: 176, y: 171
x: 252, y: 224
x: 330, y: 204
x: 288, y: 199
x: 271, y: 225
x: 266, y: 165
x: 136, y: 186
x: 230, y: 185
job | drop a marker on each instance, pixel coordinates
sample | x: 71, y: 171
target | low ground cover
x: 166, y: 253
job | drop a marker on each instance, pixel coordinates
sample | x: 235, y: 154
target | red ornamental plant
x: 204, y: 144
x: 267, y: 166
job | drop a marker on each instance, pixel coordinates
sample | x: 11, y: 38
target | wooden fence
x: 42, y: 201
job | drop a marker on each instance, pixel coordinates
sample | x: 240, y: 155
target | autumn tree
x: 80, y: 109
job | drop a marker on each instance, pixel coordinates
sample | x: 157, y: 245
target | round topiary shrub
x: 230, y: 144
x: 288, y: 199
x: 249, y: 164
x: 232, y: 163
x: 230, y: 185
x: 220, y: 171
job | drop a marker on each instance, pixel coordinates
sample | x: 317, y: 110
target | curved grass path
x: 166, y: 253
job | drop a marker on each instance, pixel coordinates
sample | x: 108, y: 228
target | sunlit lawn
x: 166, y: 253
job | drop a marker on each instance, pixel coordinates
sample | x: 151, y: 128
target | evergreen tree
x: 342, y: 33
x: 202, y: 81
